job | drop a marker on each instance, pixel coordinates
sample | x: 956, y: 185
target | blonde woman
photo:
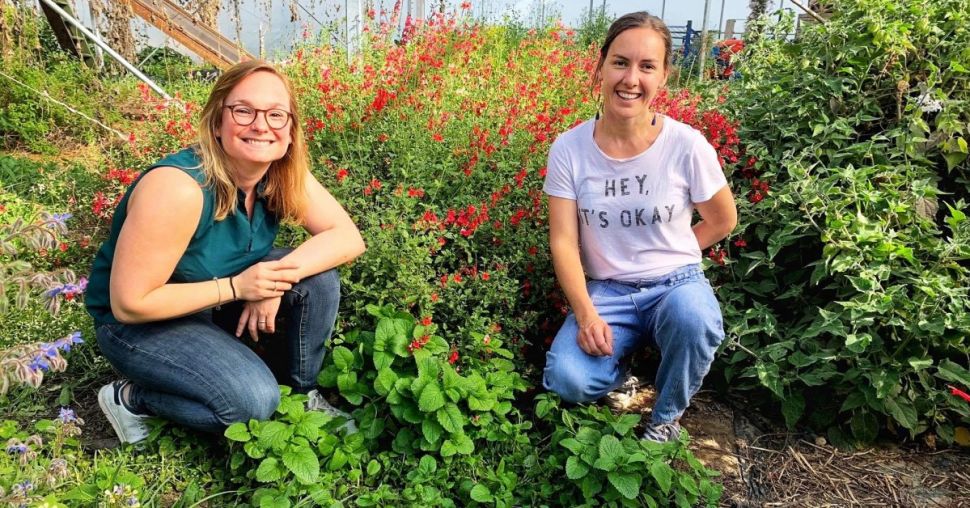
x: 189, y: 268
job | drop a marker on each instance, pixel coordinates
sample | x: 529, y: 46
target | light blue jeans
x: 676, y: 313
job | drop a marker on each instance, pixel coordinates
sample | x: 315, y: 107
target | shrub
x: 846, y: 286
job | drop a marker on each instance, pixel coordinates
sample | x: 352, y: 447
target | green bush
x: 847, y: 293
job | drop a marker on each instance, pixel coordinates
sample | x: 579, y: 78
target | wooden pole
x: 703, y: 47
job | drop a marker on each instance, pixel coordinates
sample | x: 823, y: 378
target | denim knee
x: 324, y: 285
x: 251, y: 401
x: 691, y: 311
x: 571, y: 382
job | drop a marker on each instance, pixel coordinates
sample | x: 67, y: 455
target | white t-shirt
x: 635, y: 214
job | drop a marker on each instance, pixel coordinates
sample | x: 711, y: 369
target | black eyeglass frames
x: 245, y: 115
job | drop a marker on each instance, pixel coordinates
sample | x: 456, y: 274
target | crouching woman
x: 189, y: 268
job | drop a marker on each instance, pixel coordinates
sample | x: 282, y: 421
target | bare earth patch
x: 762, y: 465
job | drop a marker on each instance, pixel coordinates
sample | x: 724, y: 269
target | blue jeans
x: 194, y: 371
x: 676, y: 313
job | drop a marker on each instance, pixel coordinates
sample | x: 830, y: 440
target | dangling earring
x: 654, y: 121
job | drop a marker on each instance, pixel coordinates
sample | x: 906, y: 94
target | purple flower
x: 67, y: 415
x: 65, y: 343
x: 49, y: 350
x: 58, y: 219
x: 39, y: 363
x: 17, y: 449
x: 22, y: 488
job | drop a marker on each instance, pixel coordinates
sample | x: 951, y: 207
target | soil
x: 763, y: 465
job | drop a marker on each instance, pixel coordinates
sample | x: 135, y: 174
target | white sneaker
x: 129, y: 427
x: 661, y: 432
x: 316, y: 402
x: 621, y: 398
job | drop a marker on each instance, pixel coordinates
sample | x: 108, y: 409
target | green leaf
x: 953, y: 372
x: 431, y: 398
x: 572, y: 445
x: 274, y: 434
x: 432, y: 430
x: 450, y: 418
x: 303, y: 463
x: 343, y: 358
x: 625, y: 423
x: 337, y: 460
x: 576, y: 468
x: 269, y: 470
x: 373, y: 467
x: 793, y: 407
x: 383, y: 360
x: 238, y: 432
x: 627, y: 484
x: 604, y: 463
x: 481, y: 493
x: 903, y: 412
x: 610, y: 448
x: 448, y: 448
x: 865, y: 426
x: 663, y: 474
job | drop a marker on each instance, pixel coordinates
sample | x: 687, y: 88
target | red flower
x: 62, y: 247
x: 382, y: 137
x: 341, y: 174
x: 756, y: 196
x: 453, y: 358
x: 485, y: 276
x: 438, y: 138
x: 457, y: 277
x: 717, y: 255
x: 740, y: 243
x: 426, y: 321
x: 434, y: 297
x: 959, y: 393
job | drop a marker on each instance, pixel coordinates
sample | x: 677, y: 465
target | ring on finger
x: 275, y: 286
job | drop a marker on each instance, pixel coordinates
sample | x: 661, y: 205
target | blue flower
x: 39, y: 363
x: 67, y: 415
x: 22, y: 488
x: 17, y: 449
x: 49, y: 350
x: 65, y: 343
x: 58, y: 219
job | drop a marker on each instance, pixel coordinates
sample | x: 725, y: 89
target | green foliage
x: 849, y: 300
x: 607, y: 463
x: 293, y: 456
x: 406, y: 371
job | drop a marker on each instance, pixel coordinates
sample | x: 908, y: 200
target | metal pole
x: 663, y: 9
x: 590, y: 9
x: 107, y: 49
x: 703, y: 47
x: 720, y: 23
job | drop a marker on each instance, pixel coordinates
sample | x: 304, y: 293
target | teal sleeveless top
x: 217, y: 248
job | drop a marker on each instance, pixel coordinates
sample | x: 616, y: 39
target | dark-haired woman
x: 189, y: 266
x: 622, y: 189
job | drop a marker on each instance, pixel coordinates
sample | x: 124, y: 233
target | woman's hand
x: 268, y: 279
x: 258, y: 317
x: 595, y: 336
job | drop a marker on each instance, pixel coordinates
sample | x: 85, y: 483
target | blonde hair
x: 285, y: 190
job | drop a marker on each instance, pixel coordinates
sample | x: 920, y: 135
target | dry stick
x: 47, y: 96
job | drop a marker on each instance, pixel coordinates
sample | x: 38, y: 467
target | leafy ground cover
x: 844, y: 288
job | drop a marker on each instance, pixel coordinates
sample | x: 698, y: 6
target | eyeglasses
x: 244, y: 115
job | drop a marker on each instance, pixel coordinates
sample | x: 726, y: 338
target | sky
x: 271, y: 18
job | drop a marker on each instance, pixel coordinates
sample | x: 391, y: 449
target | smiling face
x: 253, y: 147
x: 632, y: 73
